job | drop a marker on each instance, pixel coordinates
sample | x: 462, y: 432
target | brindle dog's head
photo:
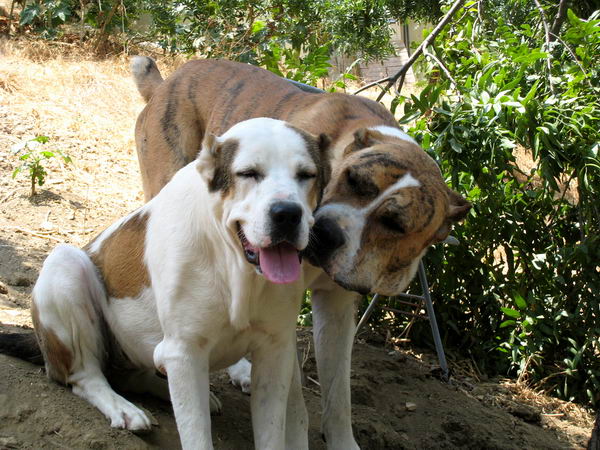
x: 385, y: 205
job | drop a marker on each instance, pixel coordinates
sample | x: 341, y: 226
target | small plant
x: 34, y: 158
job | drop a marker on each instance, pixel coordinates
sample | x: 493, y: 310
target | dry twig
x: 401, y: 74
x: 443, y: 67
x: 548, y: 40
x: 33, y: 233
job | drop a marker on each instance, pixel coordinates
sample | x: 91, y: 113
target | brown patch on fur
x: 201, y: 341
x: 223, y: 179
x: 120, y: 259
x: 58, y: 357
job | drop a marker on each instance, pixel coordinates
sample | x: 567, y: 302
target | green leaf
x: 519, y: 301
x: 41, y: 139
x: 511, y: 312
x: 258, y: 26
x: 507, y: 323
x: 29, y: 13
x: 531, y: 93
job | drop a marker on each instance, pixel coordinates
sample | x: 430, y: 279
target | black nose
x: 285, y: 214
x: 327, y: 236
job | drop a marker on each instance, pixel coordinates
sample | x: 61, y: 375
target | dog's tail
x: 22, y: 345
x: 146, y: 75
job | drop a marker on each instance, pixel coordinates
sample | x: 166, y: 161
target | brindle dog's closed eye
x: 361, y: 185
x: 392, y: 223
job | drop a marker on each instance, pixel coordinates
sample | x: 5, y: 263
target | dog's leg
x: 296, y: 422
x: 187, y: 366
x: 145, y: 381
x: 66, y: 309
x: 240, y: 374
x: 272, y: 368
x: 333, y: 333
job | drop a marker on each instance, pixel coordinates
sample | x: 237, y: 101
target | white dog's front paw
x: 240, y: 374
x: 126, y: 415
x: 215, y: 404
x: 243, y: 383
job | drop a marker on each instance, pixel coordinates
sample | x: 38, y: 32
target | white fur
x: 396, y: 132
x: 240, y: 374
x: 206, y: 306
x: 69, y: 297
x: 280, y: 185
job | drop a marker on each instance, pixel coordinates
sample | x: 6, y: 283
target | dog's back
x: 209, y: 96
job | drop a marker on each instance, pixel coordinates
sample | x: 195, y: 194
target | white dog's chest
x: 134, y: 323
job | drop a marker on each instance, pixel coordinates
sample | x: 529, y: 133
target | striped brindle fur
x: 208, y: 96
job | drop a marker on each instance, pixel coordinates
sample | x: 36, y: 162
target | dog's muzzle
x: 280, y: 261
x: 326, y: 237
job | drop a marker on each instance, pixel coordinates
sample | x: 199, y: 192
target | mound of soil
x: 397, y: 404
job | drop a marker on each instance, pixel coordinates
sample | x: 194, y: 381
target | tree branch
x: 391, y: 80
x: 559, y: 19
x: 443, y: 67
x: 571, y: 52
x: 101, y: 40
x: 548, y: 41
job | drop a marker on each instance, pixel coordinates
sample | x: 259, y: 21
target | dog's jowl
x: 206, y: 272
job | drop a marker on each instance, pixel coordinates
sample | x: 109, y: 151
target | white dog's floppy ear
x: 207, y: 158
x: 215, y: 160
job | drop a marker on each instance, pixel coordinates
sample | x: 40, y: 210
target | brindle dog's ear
x: 207, y: 158
x: 363, y: 138
x: 458, y: 208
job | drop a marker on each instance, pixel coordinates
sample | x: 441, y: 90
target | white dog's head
x: 269, y: 177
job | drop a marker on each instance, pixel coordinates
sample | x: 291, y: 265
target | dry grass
x: 87, y: 107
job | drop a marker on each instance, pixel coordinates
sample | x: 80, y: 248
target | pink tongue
x: 280, y: 264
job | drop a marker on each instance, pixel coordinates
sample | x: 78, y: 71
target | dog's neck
x: 188, y: 194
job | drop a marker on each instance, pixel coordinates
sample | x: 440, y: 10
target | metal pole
x: 367, y: 313
x: 439, y: 348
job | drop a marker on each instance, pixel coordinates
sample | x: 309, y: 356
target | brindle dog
x: 385, y: 204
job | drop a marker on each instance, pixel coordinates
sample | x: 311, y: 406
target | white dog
x: 206, y: 272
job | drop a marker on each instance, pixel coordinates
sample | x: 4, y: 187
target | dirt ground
x: 87, y: 108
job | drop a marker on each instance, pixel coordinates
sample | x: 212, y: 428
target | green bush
x: 521, y: 293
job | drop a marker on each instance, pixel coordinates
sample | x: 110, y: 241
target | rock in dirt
x: 526, y: 413
x: 8, y: 442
